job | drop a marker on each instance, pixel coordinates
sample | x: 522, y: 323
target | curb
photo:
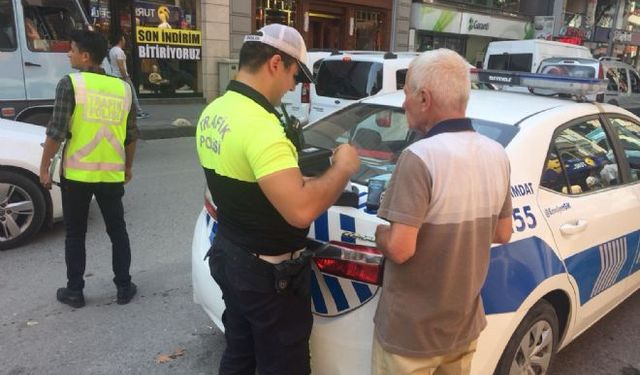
x: 164, y: 132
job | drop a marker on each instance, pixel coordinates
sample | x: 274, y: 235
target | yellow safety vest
x: 95, y: 152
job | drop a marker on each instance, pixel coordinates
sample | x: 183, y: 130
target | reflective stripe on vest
x: 95, y: 152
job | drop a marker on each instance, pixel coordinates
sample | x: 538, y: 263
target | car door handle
x: 29, y: 63
x: 574, y: 227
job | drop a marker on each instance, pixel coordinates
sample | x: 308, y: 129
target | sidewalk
x: 169, y: 120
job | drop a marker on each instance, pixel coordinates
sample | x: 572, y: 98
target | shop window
x: 428, y: 42
x: 7, y: 26
x: 48, y: 25
x: 275, y: 11
x: 100, y: 15
x: 368, y: 30
x: 169, y: 47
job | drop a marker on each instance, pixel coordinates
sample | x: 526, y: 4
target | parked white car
x: 574, y: 253
x: 25, y: 206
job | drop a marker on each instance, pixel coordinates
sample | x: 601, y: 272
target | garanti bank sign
x: 479, y: 24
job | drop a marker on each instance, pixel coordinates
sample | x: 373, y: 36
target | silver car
x: 624, y: 81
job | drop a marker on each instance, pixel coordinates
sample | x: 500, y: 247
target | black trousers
x: 76, y: 198
x: 264, y: 329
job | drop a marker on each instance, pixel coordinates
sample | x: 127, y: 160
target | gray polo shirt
x: 453, y: 185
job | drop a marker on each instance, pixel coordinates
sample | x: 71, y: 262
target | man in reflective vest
x: 92, y: 114
x: 265, y: 208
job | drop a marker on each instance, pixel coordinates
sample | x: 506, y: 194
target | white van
x: 34, y: 41
x: 349, y: 76
x: 526, y: 55
x: 298, y: 101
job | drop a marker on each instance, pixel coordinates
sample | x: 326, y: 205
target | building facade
x: 175, y: 48
x: 187, y: 48
x: 466, y: 26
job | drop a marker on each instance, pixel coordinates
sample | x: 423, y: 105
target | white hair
x: 445, y: 74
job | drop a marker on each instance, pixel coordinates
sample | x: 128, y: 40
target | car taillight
x: 304, y: 93
x: 600, y: 72
x: 355, y: 262
x: 208, y: 204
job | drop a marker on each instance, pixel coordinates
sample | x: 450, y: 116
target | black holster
x: 294, y: 275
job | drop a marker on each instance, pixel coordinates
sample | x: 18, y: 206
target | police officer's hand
x: 346, y: 157
x: 128, y: 175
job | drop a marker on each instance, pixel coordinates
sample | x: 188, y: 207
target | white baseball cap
x: 288, y: 40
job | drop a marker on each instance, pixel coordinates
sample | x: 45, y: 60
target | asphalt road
x: 38, y: 335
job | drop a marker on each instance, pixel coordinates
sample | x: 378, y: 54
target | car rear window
x: 519, y: 62
x: 577, y: 71
x: 349, y: 79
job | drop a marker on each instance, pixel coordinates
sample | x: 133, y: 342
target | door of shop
x: 326, y: 31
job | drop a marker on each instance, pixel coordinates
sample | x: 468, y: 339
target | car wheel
x: 22, y: 209
x: 532, y: 347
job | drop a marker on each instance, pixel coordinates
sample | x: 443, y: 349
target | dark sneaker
x: 70, y: 297
x: 125, y: 294
x: 142, y: 115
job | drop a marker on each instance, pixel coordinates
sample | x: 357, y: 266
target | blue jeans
x: 76, y: 198
x: 134, y: 96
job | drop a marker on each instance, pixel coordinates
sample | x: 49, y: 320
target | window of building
x: 275, y: 11
x: 48, y: 25
x: 369, y: 30
x: 507, y: 6
x: 428, y: 42
x: 7, y: 26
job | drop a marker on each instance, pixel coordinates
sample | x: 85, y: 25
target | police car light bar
x: 579, y: 87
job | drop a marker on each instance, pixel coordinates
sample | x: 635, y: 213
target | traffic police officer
x: 92, y: 113
x: 264, y: 208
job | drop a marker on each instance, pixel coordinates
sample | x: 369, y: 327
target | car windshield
x: 380, y: 133
x: 349, y: 79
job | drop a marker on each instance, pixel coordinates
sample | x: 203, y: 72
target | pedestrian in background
x: 118, y: 61
x: 447, y: 201
x: 92, y: 113
x: 264, y: 207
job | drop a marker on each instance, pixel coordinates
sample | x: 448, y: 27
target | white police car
x: 25, y: 206
x: 575, y: 249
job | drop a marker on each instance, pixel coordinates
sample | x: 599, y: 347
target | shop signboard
x: 482, y: 25
x: 429, y: 18
x: 165, y: 32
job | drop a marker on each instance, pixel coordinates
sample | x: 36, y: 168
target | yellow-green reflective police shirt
x: 240, y: 139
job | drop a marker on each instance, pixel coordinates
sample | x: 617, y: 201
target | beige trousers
x: 456, y: 363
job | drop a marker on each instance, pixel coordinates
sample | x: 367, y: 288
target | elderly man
x: 447, y: 201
